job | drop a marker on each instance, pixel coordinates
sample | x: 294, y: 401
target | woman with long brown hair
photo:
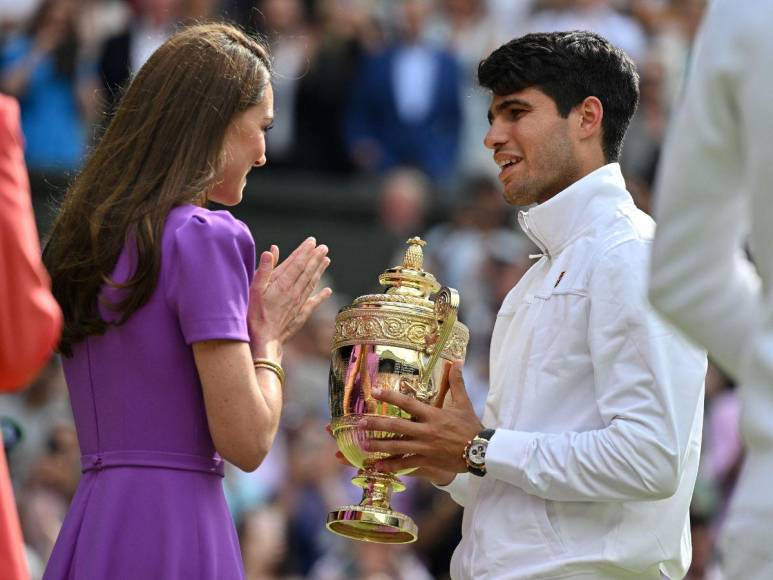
x: 172, y: 338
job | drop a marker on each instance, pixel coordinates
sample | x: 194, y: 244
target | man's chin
x: 517, y: 197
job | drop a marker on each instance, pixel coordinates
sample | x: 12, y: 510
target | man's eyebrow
x: 506, y: 104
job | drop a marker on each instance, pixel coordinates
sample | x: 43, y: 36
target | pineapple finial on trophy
x: 410, y: 278
x: 414, y: 255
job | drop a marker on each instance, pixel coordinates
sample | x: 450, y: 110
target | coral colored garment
x: 150, y: 503
x: 30, y: 319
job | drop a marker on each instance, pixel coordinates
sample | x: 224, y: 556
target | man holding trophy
x: 586, y: 457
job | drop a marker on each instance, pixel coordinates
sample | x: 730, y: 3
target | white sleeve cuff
x: 458, y: 489
x: 506, y: 455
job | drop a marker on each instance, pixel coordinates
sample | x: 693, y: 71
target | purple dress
x: 150, y: 504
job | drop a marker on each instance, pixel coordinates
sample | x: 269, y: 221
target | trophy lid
x: 410, y: 278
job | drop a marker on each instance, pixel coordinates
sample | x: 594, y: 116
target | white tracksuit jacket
x: 598, y: 406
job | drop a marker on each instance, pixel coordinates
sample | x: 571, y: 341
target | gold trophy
x: 402, y: 340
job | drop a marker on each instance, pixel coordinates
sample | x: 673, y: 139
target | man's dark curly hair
x: 568, y: 67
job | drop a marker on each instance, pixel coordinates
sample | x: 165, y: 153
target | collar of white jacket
x: 563, y: 218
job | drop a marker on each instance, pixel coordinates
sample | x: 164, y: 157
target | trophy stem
x: 378, y: 495
x: 377, y: 488
x: 373, y: 519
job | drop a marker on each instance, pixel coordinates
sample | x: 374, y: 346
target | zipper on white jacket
x: 523, y: 219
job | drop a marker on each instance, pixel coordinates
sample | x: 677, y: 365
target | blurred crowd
x: 384, y: 89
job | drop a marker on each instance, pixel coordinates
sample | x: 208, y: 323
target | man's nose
x: 495, y: 136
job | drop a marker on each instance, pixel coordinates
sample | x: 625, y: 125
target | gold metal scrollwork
x: 388, y: 329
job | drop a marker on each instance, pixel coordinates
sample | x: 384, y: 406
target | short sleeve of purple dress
x: 150, y: 503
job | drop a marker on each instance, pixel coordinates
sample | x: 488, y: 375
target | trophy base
x: 372, y: 524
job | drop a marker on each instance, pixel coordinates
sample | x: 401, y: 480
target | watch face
x: 477, y: 453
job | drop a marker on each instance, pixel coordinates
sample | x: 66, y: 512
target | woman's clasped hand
x: 282, y: 293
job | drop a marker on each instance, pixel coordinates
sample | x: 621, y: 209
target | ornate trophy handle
x: 446, y: 310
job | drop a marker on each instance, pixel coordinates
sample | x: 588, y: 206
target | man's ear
x: 589, y: 116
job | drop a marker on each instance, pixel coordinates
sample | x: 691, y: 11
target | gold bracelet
x: 264, y: 363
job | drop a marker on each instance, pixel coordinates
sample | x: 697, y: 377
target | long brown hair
x: 161, y: 149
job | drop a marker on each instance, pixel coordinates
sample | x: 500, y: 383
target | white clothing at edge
x: 715, y: 192
x: 598, y: 406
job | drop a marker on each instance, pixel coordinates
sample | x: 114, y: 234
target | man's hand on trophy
x: 434, y: 439
x: 437, y: 476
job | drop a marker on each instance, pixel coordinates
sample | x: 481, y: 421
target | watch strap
x: 486, y: 434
